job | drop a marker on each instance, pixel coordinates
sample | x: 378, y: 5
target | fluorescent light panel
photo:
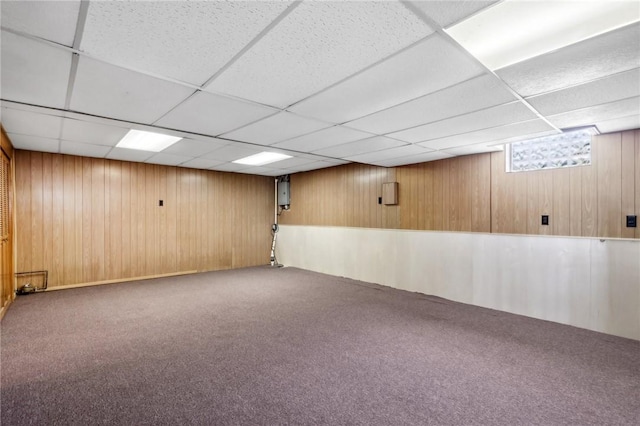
x: 513, y: 31
x: 262, y: 158
x: 146, y: 141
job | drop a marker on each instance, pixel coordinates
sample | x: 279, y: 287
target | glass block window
x: 567, y: 149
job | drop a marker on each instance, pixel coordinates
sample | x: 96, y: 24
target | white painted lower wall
x: 585, y: 282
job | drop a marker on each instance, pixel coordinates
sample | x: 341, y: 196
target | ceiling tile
x: 83, y: 149
x: 276, y: 128
x: 319, y: 44
x: 424, y: 68
x: 491, y: 117
x: 413, y: 159
x: 619, y: 124
x: 167, y: 159
x: 50, y: 20
x: 93, y: 133
x: 229, y: 167
x: 595, y: 114
x: 32, y: 108
x: 114, y: 92
x: 472, y: 95
x: 125, y: 154
x: 335, y: 161
x: 30, y: 123
x: 312, y: 166
x: 34, y: 143
x: 324, y: 138
x: 194, y: 148
x: 201, y: 163
x: 188, y: 41
x: 608, y: 89
x: 607, y: 54
x: 475, y: 149
x: 293, y: 162
x: 33, y: 72
x: 363, y: 146
x: 262, y: 171
x: 388, y: 154
x: 495, y: 134
x: 450, y: 12
x: 278, y: 172
x: 212, y: 114
x: 232, y: 152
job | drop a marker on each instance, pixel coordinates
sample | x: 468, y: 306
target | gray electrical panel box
x: 283, y: 194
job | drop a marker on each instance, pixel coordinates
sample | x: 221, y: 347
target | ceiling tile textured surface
x: 33, y: 72
x: 319, y: 44
x: 187, y: 40
x: 51, y: 20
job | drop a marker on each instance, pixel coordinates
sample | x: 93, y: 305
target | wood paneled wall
x: 446, y: 195
x: 589, y: 201
x: 88, y: 220
x: 475, y: 193
x: 341, y: 196
x: 6, y: 222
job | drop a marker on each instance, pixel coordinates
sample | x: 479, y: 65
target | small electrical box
x: 545, y: 219
x: 390, y: 193
x: 632, y: 221
x: 284, y: 197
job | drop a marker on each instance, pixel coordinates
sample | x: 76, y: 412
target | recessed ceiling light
x: 146, y: 141
x: 262, y: 158
x: 513, y: 31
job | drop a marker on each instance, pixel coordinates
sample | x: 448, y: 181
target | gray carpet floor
x: 287, y: 346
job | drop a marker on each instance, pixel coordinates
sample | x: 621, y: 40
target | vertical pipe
x: 275, y: 213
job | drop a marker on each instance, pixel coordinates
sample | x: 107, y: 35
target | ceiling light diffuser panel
x: 317, y: 45
x: 262, y: 158
x: 185, y: 40
x: 147, y: 141
x: 513, y: 31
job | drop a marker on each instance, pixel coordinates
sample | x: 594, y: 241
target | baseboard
x: 120, y: 280
x: 3, y: 310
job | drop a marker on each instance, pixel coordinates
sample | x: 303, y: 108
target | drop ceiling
x: 327, y: 83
